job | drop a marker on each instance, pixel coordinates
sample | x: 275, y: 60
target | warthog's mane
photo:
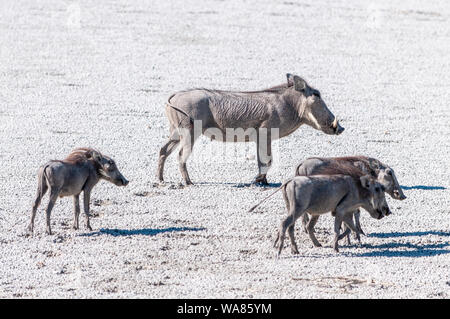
x: 79, y: 155
x: 274, y: 89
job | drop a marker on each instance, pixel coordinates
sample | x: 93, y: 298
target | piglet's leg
x: 76, y: 207
x: 291, y: 231
x: 337, y: 229
x: 53, y: 197
x: 310, y: 227
x: 87, y: 198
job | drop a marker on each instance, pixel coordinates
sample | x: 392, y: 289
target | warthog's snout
x: 124, y: 181
x: 399, y: 195
x: 120, y: 181
x: 384, y: 211
x: 339, y: 130
x: 380, y: 214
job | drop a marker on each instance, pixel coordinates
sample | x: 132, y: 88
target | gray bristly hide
x: 77, y: 173
x: 234, y: 116
x: 320, y: 194
x: 384, y: 174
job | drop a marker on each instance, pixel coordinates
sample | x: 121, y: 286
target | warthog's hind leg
x: 305, y: 220
x: 53, y: 197
x: 312, y: 222
x: 291, y: 232
x: 42, y: 189
x: 187, y: 144
x: 165, y: 151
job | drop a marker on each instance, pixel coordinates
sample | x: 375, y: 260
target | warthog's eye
x: 389, y: 173
x: 316, y: 94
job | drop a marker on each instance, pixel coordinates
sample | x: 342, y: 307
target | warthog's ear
x: 290, y: 79
x: 299, y: 83
x: 374, y: 164
x: 96, y: 156
x: 365, y: 181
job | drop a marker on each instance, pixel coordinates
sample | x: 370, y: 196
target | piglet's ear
x: 96, y: 156
x: 374, y: 164
x: 299, y: 83
x: 365, y: 181
x: 290, y: 79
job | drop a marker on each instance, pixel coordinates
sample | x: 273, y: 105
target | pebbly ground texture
x: 97, y: 73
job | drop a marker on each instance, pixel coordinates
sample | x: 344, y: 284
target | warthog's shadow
x: 144, y: 232
x: 413, y: 250
x: 410, y: 234
x: 423, y: 187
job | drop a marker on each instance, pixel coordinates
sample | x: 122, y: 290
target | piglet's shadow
x: 410, y: 234
x: 423, y: 187
x: 408, y: 249
x: 143, y: 232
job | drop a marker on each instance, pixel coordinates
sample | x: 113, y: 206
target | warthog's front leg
x: 264, y: 156
x: 87, y: 199
x: 53, y: 197
x: 357, y: 215
x: 76, y: 208
x: 350, y: 226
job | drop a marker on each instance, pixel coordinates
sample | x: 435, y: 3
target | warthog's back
x: 321, y: 193
x: 227, y: 109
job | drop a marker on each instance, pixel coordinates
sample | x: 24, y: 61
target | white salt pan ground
x: 97, y: 73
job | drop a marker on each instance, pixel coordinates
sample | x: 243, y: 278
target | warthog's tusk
x: 335, y: 122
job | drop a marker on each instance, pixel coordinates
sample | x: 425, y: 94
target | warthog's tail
x: 42, y: 180
x: 179, y: 110
x: 282, y: 186
x: 296, y: 173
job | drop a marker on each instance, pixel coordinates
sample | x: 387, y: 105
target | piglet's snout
x: 125, y: 182
x: 339, y: 130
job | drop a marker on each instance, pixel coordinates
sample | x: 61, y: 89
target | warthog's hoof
x: 29, y: 230
x: 294, y: 251
x: 260, y: 181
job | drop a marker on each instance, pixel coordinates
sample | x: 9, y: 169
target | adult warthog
x: 235, y: 116
x: 79, y: 172
x: 384, y: 174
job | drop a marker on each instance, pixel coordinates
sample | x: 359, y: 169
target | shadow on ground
x: 410, y: 234
x: 407, y: 249
x: 423, y: 187
x: 142, y: 232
